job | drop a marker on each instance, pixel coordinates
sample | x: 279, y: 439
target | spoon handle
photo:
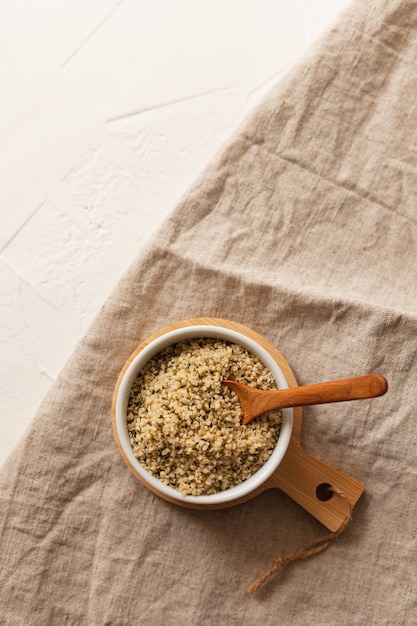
x: 357, y: 388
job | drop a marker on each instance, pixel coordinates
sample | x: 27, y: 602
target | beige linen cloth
x: 305, y: 229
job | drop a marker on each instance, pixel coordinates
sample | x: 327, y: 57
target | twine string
x: 310, y: 549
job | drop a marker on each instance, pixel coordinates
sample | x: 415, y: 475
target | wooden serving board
x: 301, y: 476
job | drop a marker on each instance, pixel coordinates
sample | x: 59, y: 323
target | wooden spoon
x: 254, y: 402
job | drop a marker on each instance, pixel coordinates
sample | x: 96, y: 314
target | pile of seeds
x: 184, y: 425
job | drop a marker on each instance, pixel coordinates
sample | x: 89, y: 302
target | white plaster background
x: 109, y: 109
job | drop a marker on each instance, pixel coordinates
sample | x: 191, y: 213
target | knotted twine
x: 310, y: 549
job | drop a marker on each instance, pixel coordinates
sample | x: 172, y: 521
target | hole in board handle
x: 324, y: 492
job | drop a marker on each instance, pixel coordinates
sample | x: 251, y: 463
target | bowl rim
x: 129, y: 373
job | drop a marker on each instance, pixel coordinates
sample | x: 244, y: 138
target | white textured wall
x: 109, y: 110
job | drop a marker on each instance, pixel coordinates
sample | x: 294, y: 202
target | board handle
x: 308, y: 481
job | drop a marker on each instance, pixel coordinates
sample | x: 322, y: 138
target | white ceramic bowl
x: 228, y: 496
